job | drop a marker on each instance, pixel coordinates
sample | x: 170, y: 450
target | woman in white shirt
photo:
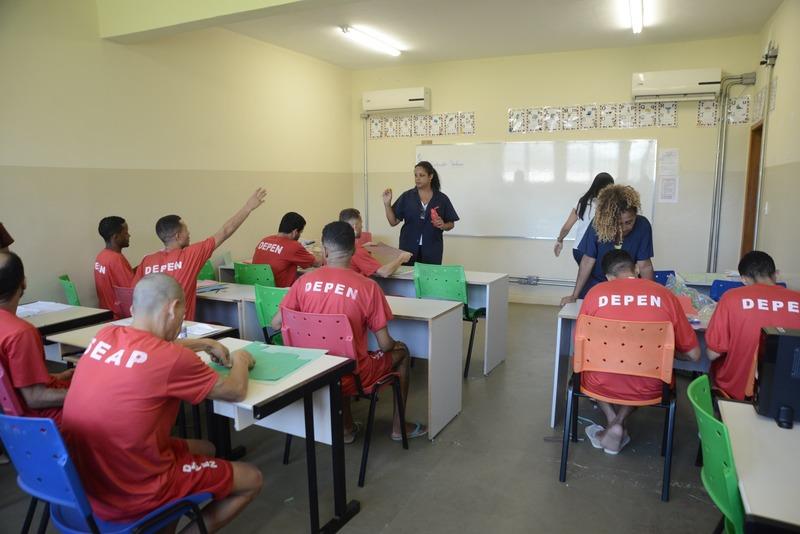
x: 582, y: 214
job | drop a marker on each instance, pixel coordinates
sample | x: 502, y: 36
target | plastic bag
x: 704, y: 304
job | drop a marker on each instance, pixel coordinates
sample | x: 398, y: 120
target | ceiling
x: 442, y: 30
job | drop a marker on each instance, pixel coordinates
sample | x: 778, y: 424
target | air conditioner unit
x: 671, y: 85
x: 410, y: 99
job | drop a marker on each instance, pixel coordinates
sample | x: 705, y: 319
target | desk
x: 68, y: 319
x: 766, y: 465
x: 565, y: 336
x: 484, y: 290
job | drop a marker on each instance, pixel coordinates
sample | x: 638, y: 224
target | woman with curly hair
x: 616, y: 225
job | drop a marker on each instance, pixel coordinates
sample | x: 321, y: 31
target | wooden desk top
x: 766, y: 462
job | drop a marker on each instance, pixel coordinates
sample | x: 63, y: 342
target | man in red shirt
x: 362, y: 261
x: 734, y: 331
x: 111, y: 268
x: 21, y: 350
x: 183, y: 261
x: 282, y: 251
x: 337, y: 289
x: 628, y: 298
x: 123, y: 402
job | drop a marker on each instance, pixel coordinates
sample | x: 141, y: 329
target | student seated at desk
x: 21, y: 349
x: 734, y: 332
x: 283, y: 253
x: 123, y: 402
x: 183, y: 261
x: 628, y: 298
x: 111, y: 268
x: 337, y: 289
x: 362, y: 261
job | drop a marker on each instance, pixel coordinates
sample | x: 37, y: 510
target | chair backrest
x: 69, y: 290
x: 268, y: 302
x: 624, y: 347
x: 207, y: 272
x: 253, y: 273
x: 441, y: 282
x: 9, y: 400
x: 719, y: 471
x: 123, y: 300
x: 44, y: 468
x: 318, y: 331
x: 661, y: 276
x: 719, y: 287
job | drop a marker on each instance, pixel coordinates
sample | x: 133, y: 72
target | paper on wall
x: 668, y: 175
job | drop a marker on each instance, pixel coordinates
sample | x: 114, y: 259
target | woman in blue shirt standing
x: 427, y: 213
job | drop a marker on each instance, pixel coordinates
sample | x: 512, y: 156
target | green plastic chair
x: 447, y: 282
x: 69, y: 290
x: 719, y: 471
x: 253, y: 273
x: 207, y: 272
x: 268, y: 302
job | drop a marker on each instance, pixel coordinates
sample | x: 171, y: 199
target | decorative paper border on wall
x: 456, y: 123
x: 738, y: 111
x: 593, y: 116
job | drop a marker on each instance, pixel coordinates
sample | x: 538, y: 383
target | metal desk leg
x: 311, y: 462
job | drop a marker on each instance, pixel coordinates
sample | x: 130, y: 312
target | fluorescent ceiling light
x: 370, y: 41
x: 637, y: 16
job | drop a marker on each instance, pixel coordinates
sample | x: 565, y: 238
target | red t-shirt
x: 363, y: 262
x: 634, y: 299
x: 183, y: 265
x: 118, y: 415
x: 22, y: 357
x: 735, y: 330
x: 284, y: 255
x: 335, y: 290
x: 111, y: 269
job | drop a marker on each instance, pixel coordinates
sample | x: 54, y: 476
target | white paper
x: 200, y: 329
x: 668, y: 175
x: 40, y: 307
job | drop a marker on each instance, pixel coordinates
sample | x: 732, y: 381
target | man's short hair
x: 617, y: 261
x: 339, y: 236
x: 167, y: 227
x: 757, y: 264
x: 153, y: 291
x: 290, y: 222
x: 12, y: 273
x: 109, y: 227
x: 349, y: 214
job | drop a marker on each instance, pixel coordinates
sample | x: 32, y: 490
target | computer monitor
x: 778, y: 391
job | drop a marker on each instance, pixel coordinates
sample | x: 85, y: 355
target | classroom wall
x: 779, y: 221
x: 189, y: 124
x: 491, y: 86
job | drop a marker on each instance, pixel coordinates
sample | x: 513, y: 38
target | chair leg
x: 181, y: 422
x: 26, y: 525
x: 401, y: 411
x: 287, y: 448
x: 720, y: 528
x: 197, y: 517
x: 698, y: 460
x: 664, y: 433
x: 668, y: 455
x: 469, y: 347
x: 562, y: 473
x: 362, y: 473
x: 45, y: 519
x: 574, y: 424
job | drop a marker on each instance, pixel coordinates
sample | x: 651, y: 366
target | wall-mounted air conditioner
x: 671, y: 85
x: 410, y: 99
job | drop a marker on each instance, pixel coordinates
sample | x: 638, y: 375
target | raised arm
x: 232, y: 224
x: 584, y: 271
x: 387, y: 207
x: 572, y: 218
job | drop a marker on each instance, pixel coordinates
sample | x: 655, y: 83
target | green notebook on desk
x: 273, y: 362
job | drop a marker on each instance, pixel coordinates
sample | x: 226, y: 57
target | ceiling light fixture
x: 637, y: 16
x: 369, y: 41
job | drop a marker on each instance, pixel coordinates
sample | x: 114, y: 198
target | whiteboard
x: 526, y: 189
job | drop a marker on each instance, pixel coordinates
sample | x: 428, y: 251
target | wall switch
x: 766, y: 208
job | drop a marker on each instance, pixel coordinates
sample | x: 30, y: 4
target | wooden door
x: 751, y: 189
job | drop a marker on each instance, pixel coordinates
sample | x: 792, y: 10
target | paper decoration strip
x: 668, y: 114
x: 467, y: 122
x: 516, y: 121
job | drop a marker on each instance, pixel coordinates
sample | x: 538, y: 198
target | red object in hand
x: 434, y: 214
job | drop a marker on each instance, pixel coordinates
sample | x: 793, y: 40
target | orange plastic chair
x: 644, y: 349
x: 123, y: 300
x: 334, y: 333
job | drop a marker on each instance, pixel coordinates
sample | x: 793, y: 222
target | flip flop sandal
x: 591, y: 433
x: 419, y: 430
x: 350, y: 438
x: 625, y: 441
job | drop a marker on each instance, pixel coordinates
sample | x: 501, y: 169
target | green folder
x: 272, y: 362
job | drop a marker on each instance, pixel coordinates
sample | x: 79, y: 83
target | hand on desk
x: 218, y: 352
x: 568, y: 299
x: 405, y: 257
x: 244, y: 357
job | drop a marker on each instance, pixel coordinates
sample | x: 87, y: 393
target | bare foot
x: 612, y: 437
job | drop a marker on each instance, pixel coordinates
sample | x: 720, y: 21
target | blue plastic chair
x: 719, y: 287
x: 661, y: 276
x: 46, y: 472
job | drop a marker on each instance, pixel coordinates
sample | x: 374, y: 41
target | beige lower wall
x: 52, y: 213
x: 780, y: 226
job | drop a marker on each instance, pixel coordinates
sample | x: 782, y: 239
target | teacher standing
x: 427, y: 213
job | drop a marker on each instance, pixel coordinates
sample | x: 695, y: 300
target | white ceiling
x: 441, y: 30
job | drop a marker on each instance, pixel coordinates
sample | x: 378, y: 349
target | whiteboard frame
x: 650, y: 216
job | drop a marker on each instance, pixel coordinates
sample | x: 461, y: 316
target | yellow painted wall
x: 490, y: 86
x: 189, y: 124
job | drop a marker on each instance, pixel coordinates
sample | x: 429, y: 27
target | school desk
x: 565, y: 334
x: 69, y: 318
x: 766, y: 465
